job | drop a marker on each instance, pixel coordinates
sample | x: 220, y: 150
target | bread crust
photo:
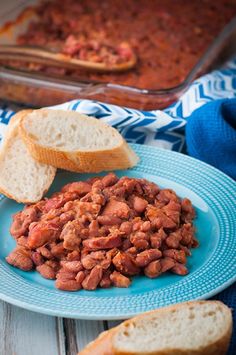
x: 119, y: 157
x: 106, y: 339
x: 12, y: 132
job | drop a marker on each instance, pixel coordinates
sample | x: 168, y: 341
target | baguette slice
x: 21, y: 177
x: 191, y: 328
x: 75, y: 142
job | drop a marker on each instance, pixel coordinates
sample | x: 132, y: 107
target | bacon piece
x: 153, y: 269
x: 93, y: 279
x: 147, y: 256
x: 109, y: 242
x: 22, y: 220
x: 119, y: 280
x: 167, y: 264
x: 42, y: 233
x: 20, y: 257
x: 125, y: 264
x: 80, y: 187
x: 117, y: 209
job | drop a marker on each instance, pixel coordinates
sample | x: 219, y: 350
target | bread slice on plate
x: 21, y: 177
x: 76, y: 142
x: 191, y: 328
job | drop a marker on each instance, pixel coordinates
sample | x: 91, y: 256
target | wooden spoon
x: 43, y: 56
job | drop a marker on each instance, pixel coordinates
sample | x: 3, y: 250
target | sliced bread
x: 76, y: 142
x: 191, y: 328
x: 21, y: 177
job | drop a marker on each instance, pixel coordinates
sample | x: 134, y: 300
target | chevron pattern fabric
x: 165, y: 128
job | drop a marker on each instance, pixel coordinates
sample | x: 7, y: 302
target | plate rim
x: 111, y: 316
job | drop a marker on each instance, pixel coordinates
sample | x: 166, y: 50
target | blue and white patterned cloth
x: 165, y: 129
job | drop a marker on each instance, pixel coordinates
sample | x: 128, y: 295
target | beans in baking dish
x: 102, y: 231
x: 168, y: 37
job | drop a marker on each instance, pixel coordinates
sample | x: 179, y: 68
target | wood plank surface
x: 28, y: 333
x: 81, y: 332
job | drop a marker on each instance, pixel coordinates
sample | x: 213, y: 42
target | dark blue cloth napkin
x: 211, y: 135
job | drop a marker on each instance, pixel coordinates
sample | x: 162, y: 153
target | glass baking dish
x: 38, y: 89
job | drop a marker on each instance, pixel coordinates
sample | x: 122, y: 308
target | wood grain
x: 85, y: 331
x: 28, y: 333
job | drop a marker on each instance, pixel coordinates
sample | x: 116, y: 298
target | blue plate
x: 212, y: 266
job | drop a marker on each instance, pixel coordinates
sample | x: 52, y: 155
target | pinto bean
x: 172, y: 241
x: 105, y: 281
x: 187, y: 232
x: 109, y: 180
x: 111, y: 241
x: 45, y: 252
x: 157, y: 238
x: 137, y: 224
x: 80, y: 277
x: 112, y: 253
x: 140, y: 242
x: 68, y: 285
x: 65, y: 274
x: 146, y: 256
x: 167, y: 195
x: 119, y: 280
x: 109, y: 220
x: 133, y: 251
x: 20, y: 257
x: 37, y: 258
x: 66, y: 217
x: 126, y: 244
x: 188, y: 212
x: 126, y: 227
x: 65, y: 281
x: 92, y: 180
x: 177, y: 255
x: 54, y: 264
x: 46, y: 271
x: 74, y: 255
x: 179, y: 269
x: 139, y: 204
x: 146, y: 226
x: 72, y: 266
x: 58, y: 250
x: 80, y: 187
x: 167, y: 263
x: 23, y: 241
x: 153, y: 269
x: 93, y: 279
x: 125, y: 264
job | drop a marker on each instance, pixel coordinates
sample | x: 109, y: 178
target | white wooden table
x: 27, y: 333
